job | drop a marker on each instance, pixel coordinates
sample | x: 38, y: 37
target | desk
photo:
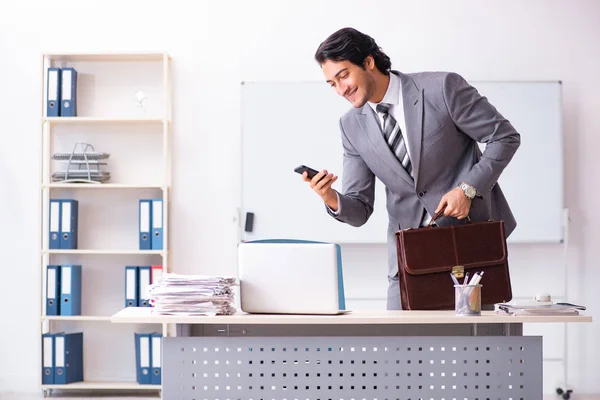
x: 386, y: 355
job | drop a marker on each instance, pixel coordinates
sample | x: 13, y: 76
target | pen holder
x: 467, y: 300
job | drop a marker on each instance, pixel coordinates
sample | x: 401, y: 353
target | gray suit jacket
x: 445, y: 118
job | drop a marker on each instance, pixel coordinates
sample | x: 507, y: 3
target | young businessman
x: 418, y: 134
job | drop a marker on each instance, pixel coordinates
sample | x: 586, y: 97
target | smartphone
x: 311, y: 172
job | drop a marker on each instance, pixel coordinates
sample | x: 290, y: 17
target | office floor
x: 80, y: 396
x: 17, y: 396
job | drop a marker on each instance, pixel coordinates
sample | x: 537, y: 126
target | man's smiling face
x: 354, y: 83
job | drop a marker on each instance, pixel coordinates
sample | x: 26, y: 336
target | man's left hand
x: 457, y: 204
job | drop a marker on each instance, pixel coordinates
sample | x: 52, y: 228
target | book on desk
x: 551, y: 309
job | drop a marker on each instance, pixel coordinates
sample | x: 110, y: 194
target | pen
x: 466, y: 278
x: 479, y: 277
x: 474, y: 278
x: 454, y: 279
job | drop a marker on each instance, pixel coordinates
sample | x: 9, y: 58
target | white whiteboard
x: 285, y: 124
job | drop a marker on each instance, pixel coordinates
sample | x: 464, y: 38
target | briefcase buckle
x: 458, y: 271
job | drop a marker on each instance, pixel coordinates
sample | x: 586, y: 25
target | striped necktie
x: 393, y: 136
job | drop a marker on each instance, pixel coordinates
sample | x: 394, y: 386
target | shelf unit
x: 102, y: 186
x: 102, y: 120
x: 103, y: 386
x: 107, y: 252
x: 94, y: 69
x: 76, y: 318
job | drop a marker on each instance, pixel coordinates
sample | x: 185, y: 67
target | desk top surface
x: 144, y: 315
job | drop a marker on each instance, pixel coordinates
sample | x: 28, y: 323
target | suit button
x: 421, y: 194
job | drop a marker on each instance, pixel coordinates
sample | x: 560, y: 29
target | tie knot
x: 383, y: 108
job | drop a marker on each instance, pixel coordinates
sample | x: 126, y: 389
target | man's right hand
x: 323, y: 187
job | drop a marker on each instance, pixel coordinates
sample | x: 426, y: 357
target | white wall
x: 216, y: 45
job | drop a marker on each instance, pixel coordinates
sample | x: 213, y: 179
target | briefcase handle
x: 440, y: 213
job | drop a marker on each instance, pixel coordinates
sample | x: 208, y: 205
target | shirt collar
x: 392, y: 95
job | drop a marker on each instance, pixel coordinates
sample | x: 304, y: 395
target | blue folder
x: 69, y: 224
x: 70, y: 290
x: 68, y: 95
x: 53, y: 290
x: 145, y: 224
x: 53, y: 90
x: 144, y: 280
x: 132, y: 286
x: 68, y: 358
x: 47, y: 359
x: 157, y: 224
x: 143, y: 355
x: 156, y: 359
x: 54, y: 221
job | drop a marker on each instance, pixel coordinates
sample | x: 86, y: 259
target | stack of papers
x: 552, y: 309
x: 176, y: 294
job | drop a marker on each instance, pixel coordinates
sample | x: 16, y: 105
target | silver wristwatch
x: 469, y: 190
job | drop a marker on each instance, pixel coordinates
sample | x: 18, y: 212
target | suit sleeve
x: 358, y: 186
x: 477, y: 118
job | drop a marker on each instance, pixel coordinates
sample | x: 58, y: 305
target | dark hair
x: 354, y: 46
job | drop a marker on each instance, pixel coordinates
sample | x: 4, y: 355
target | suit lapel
x: 413, y: 116
x: 369, y: 123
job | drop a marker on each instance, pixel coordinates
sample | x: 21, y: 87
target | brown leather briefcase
x: 427, y: 256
